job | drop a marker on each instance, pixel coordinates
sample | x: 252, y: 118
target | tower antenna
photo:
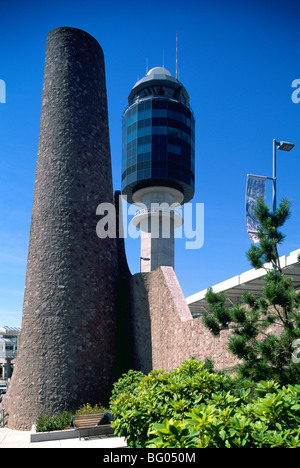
x: 176, y: 54
x: 146, y: 65
x: 163, y: 58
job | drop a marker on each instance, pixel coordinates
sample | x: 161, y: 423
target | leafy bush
x: 191, y: 407
x: 89, y: 409
x: 64, y: 419
x: 128, y: 383
x: 227, y: 422
x: 45, y: 422
x: 160, y: 396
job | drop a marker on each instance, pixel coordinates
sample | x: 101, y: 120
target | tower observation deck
x: 158, y: 161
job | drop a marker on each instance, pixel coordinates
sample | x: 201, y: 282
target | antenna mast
x: 176, y: 54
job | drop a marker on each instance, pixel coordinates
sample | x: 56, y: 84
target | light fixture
x: 285, y: 145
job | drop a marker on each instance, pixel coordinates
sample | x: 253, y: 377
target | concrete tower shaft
x: 68, y: 337
x: 158, y: 217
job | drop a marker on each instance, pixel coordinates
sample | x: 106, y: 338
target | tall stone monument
x: 69, y: 337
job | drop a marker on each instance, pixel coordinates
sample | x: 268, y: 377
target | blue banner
x: 256, y: 188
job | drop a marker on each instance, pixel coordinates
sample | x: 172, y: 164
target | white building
x: 9, y: 342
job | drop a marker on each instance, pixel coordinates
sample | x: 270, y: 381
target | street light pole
x: 284, y: 146
x: 274, y: 176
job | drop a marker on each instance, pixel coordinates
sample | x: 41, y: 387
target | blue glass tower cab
x: 158, y: 136
x: 158, y: 158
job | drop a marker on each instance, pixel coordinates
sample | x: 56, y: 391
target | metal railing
x: 155, y: 210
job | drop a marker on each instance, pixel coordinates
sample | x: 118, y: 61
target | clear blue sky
x: 237, y: 60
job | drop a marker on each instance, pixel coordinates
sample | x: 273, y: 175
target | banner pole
x: 274, y: 175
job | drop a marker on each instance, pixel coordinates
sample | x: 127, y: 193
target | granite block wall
x: 165, y: 333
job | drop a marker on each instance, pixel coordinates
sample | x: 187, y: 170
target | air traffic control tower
x: 158, y: 162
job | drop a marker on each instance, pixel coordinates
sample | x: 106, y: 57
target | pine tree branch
x: 264, y: 328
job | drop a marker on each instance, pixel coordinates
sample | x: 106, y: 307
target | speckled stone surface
x: 68, y: 338
x: 164, y: 331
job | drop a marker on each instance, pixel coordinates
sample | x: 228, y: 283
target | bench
x: 93, y: 423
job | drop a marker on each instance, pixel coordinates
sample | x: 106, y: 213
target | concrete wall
x: 165, y: 334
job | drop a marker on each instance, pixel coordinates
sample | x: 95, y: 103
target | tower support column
x: 157, y: 218
x: 157, y: 242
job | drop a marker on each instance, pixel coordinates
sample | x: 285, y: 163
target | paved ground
x: 21, y: 439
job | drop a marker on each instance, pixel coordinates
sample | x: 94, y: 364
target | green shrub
x: 89, y: 409
x: 227, y: 422
x: 64, y: 419
x: 128, y: 383
x: 45, y: 422
x: 160, y: 396
x: 192, y: 407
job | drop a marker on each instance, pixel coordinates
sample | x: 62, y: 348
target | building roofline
x: 251, y: 280
x: 10, y: 330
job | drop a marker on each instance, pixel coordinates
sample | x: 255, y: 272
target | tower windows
x: 158, y: 143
